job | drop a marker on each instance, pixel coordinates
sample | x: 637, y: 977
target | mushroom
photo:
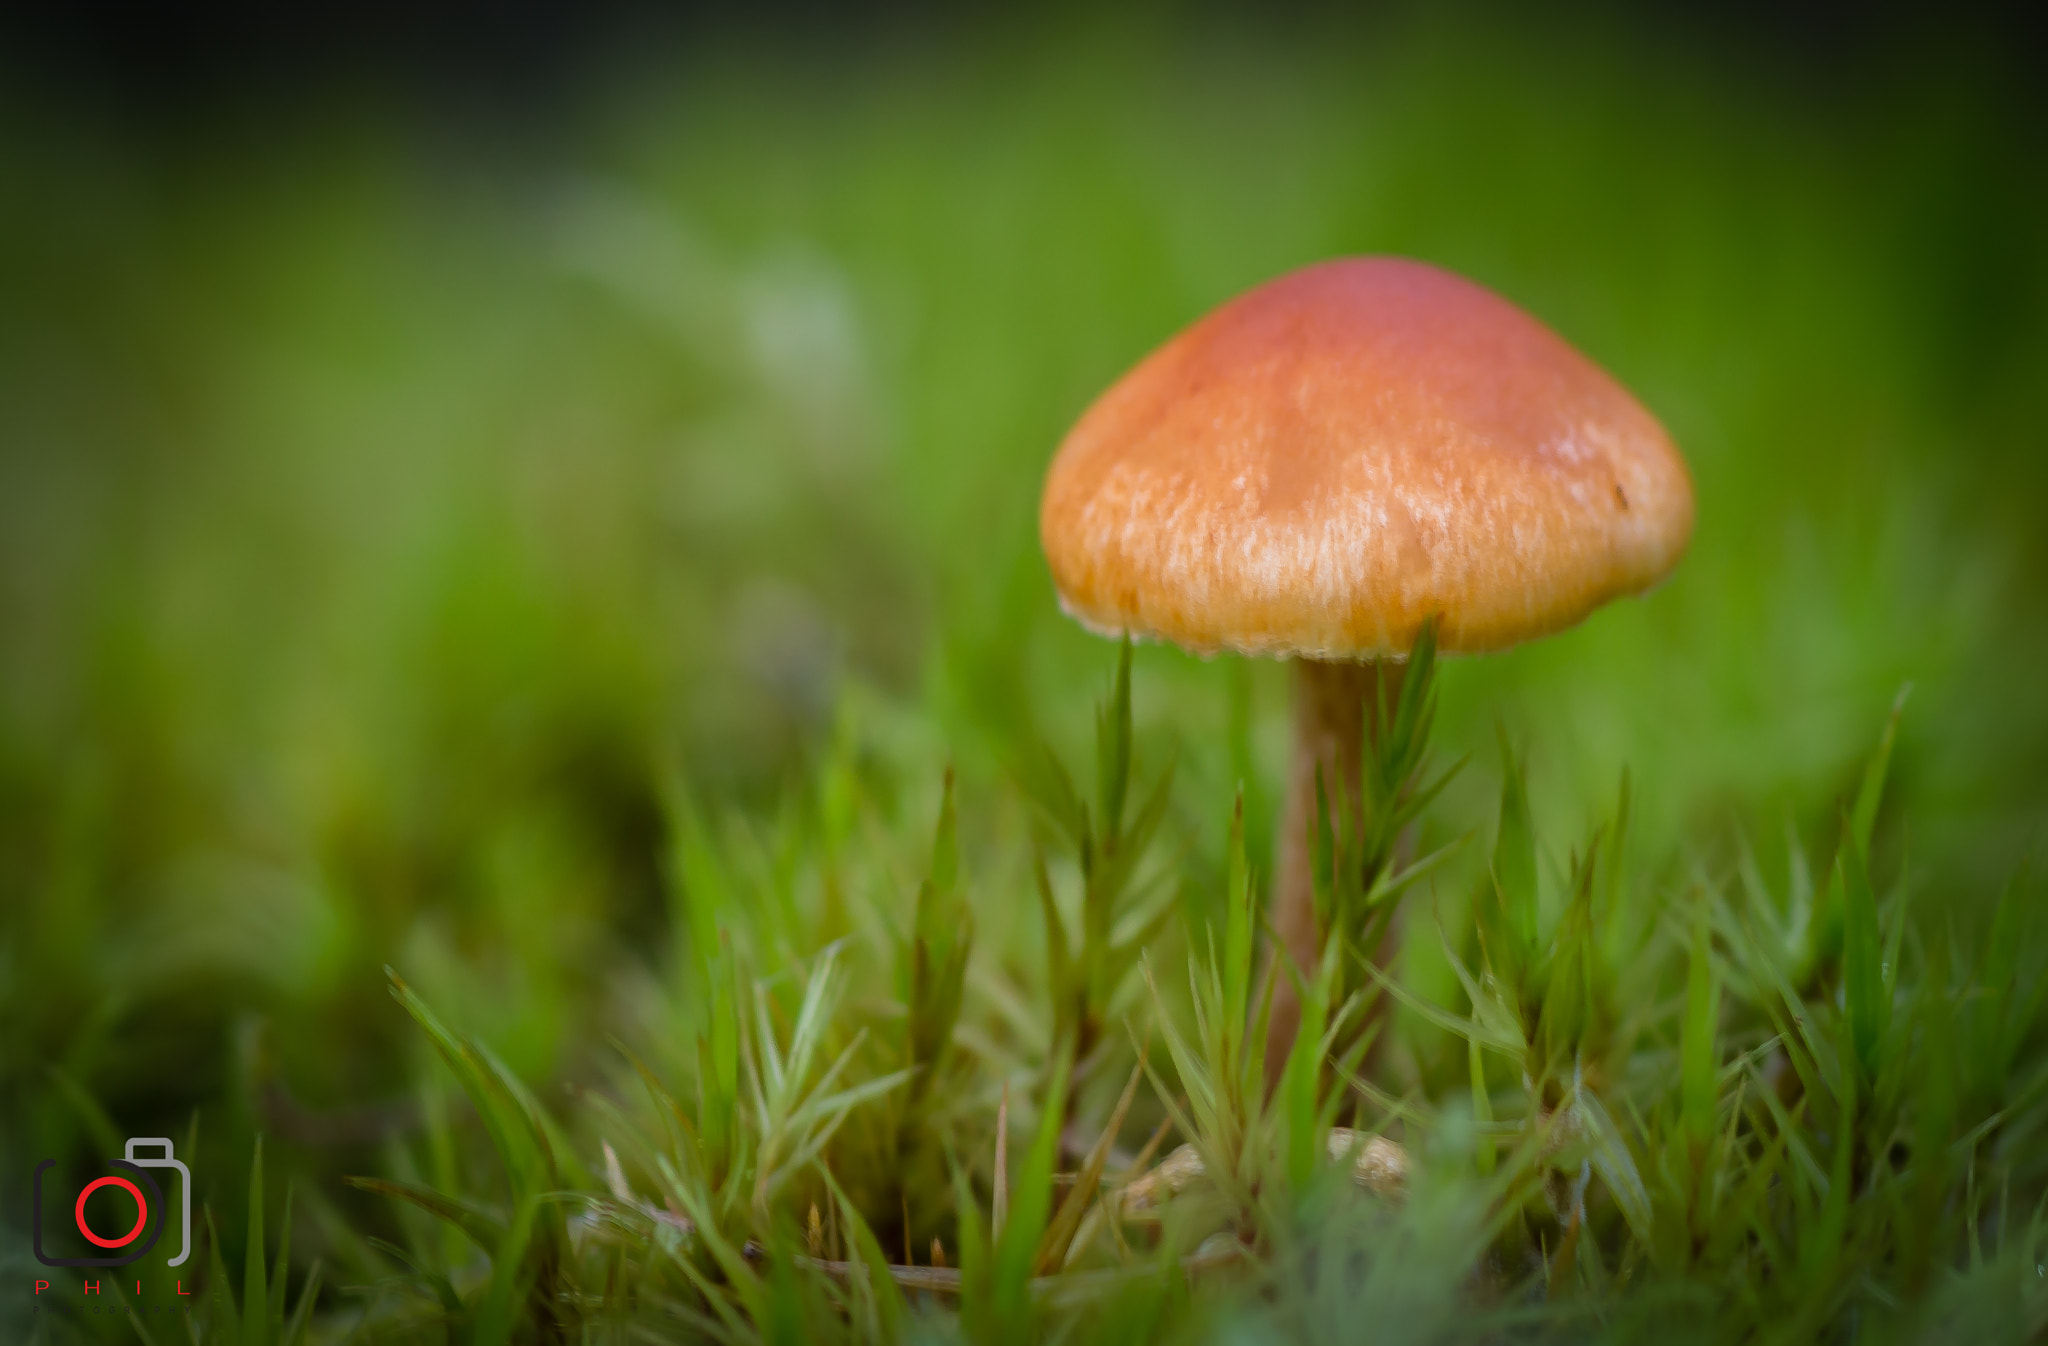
x: 1322, y: 465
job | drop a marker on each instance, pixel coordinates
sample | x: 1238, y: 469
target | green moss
x: 568, y: 580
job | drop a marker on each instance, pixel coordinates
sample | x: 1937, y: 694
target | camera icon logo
x: 142, y: 1155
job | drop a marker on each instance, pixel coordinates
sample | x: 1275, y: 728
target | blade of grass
x: 255, y: 1289
x: 484, y: 1228
x: 1059, y: 1236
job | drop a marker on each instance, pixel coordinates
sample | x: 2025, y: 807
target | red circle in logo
x: 141, y: 1212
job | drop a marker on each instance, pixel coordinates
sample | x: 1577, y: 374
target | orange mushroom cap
x: 1320, y: 465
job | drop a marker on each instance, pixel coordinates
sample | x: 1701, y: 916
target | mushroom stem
x: 1337, y: 711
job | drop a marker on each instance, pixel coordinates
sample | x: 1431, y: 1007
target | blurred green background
x: 396, y: 508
